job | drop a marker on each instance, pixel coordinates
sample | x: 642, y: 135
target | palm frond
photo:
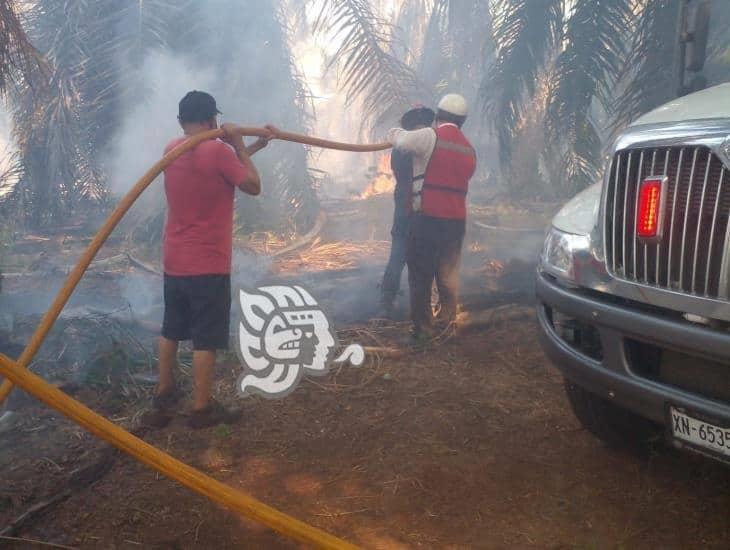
x: 296, y: 184
x: 95, y: 52
x: 55, y: 126
x: 526, y: 33
x: 293, y: 14
x: 580, y: 161
x: 437, y: 53
x: 647, y: 76
x: 18, y: 57
x: 585, y: 70
x: 303, y: 99
x: 11, y: 170
x: 295, y: 192
x: 368, y: 69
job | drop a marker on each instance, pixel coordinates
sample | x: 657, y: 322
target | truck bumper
x: 612, y: 374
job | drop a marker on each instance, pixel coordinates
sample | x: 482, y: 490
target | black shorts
x: 198, y: 308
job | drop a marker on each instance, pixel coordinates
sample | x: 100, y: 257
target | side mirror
x: 698, y: 29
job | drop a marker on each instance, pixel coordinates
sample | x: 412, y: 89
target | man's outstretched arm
x: 263, y: 141
x: 417, y: 142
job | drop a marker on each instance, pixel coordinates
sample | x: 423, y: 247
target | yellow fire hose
x: 16, y: 371
x: 166, y: 464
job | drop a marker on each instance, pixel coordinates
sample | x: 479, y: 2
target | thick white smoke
x: 150, y: 124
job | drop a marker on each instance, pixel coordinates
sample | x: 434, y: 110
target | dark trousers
x: 397, y: 259
x: 434, y: 253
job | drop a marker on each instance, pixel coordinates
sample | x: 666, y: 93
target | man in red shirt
x: 200, y: 187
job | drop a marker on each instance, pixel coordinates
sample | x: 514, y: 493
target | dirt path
x: 468, y: 445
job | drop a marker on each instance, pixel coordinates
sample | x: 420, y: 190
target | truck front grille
x: 689, y: 257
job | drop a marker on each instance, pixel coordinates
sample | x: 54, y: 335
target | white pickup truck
x: 633, y: 284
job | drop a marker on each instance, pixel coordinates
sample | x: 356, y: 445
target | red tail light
x: 649, y: 219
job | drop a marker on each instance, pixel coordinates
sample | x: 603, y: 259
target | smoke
x: 151, y: 122
x: 238, y: 56
x: 335, y: 118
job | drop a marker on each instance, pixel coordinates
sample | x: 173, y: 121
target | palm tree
x: 19, y: 61
x: 526, y: 34
x: 601, y: 63
x: 585, y: 73
x: 96, y: 52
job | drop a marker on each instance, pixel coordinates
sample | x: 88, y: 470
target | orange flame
x: 383, y: 182
x: 494, y: 268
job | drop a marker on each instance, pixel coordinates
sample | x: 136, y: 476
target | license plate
x: 700, y: 434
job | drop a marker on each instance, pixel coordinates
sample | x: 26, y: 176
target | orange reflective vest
x: 441, y: 191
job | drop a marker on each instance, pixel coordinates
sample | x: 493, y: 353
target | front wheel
x: 613, y: 425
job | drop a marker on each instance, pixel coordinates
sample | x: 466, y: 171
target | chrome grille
x: 689, y: 257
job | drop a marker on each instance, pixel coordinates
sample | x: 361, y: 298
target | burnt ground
x: 467, y: 443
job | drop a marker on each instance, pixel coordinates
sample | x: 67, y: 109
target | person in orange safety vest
x: 443, y: 163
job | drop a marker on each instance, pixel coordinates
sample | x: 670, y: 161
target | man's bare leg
x: 166, y: 365
x: 203, y: 369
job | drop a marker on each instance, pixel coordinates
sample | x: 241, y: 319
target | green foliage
x: 223, y: 431
x: 575, y: 70
x: 53, y: 128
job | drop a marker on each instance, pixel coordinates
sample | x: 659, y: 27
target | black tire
x: 613, y: 425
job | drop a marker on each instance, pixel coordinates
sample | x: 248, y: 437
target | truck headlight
x: 560, y: 249
x: 569, y: 235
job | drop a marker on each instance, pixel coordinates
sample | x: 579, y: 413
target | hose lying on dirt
x: 126, y: 203
x: 167, y: 465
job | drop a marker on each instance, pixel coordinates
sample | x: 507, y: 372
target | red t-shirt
x: 200, y: 187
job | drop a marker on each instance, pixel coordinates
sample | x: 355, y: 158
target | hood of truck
x: 706, y: 104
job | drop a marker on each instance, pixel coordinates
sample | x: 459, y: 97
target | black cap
x: 418, y: 116
x: 197, y: 107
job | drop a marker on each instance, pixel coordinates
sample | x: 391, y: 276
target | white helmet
x: 454, y: 104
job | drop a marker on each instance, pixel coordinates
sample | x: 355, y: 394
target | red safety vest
x: 446, y: 181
